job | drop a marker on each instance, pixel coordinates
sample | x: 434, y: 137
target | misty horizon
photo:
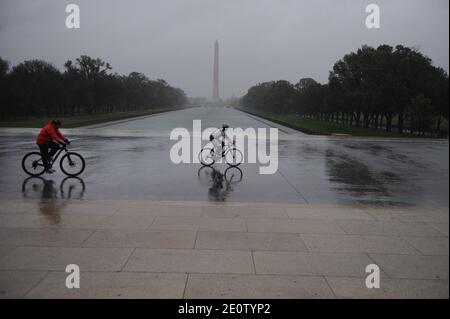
x: 259, y: 41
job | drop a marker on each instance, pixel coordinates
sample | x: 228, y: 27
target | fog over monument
x: 215, y: 94
x: 261, y: 40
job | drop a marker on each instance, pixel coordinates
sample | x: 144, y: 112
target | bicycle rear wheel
x: 32, y: 164
x: 72, y: 164
x: 207, y: 156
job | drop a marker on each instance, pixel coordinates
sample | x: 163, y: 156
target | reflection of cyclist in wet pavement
x: 217, y: 191
x: 50, y: 203
x: 49, y: 206
x: 220, y: 184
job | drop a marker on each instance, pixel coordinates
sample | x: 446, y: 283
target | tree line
x: 86, y: 86
x: 390, y: 88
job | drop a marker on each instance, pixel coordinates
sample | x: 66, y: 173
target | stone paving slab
x: 249, y: 241
x: 426, y: 215
x: 15, y: 284
x: 303, y: 226
x: 142, y: 239
x: 394, y: 229
x: 19, y: 207
x: 56, y: 258
x: 199, y: 223
x: 201, y: 286
x: 389, y: 289
x: 328, y: 213
x: 413, y: 266
x: 358, y: 244
x: 190, y: 261
x: 90, y: 208
x: 430, y: 245
x: 442, y: 227
x: 311, y: 264
x: 186, y: 249
x: 5, y: 250
x: 84, y: 221
x: 152, y: 209
x: 245, y: 212
x: 51, y: 220
x: 112, y: 285
x: 43, y: 237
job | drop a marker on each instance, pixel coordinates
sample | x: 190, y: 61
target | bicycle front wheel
x: 234, y: 157
x: 32, y: 164
x: 72, y: 164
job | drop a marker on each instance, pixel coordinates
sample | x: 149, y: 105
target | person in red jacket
x: 49, y: 140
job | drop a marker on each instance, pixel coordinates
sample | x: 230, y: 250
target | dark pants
x: 47, y: 152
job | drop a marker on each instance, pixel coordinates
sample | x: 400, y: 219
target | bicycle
x: 72, y: 164
x: 209, y: 155
x: 232, y: 175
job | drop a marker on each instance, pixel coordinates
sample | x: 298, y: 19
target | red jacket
x: 48, y: 133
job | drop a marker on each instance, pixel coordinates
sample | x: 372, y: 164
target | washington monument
x: 215, y: 93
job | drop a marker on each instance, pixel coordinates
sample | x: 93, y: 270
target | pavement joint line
x: 248, y: 218
x: 295, y: 189
x: 128, y: 259
x: 151, y: 224
x: 222, y: 231
x: 227, y: 274
x: 195, y: 240
x: 439, y: 230
x: 253, y: 232
x: 14, y: 248
x: 304, y: 244
x: 253, y: 262
x: 329, y: 286
x: 121, y: 203
x: 299, y: 235
x: 37, y: 284
x: 88, y: 237
x: 309, y: 251
x: 419, y: 252
x: 185, y: 286
x: 239, y: 250
x: 381, y: 268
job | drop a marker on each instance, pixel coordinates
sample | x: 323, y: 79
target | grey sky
x: 260, y: 40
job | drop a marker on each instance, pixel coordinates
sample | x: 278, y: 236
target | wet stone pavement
x: 140, y: 226
x: 131, y: 160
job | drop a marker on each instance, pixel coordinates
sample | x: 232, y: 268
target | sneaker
x: 50, y: 171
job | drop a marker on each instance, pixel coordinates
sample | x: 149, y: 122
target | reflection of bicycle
x: 219, y: 184
x: 72, y: 164
x: 209, y: 155
x: 38, y: 187
x: 232, y: 175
